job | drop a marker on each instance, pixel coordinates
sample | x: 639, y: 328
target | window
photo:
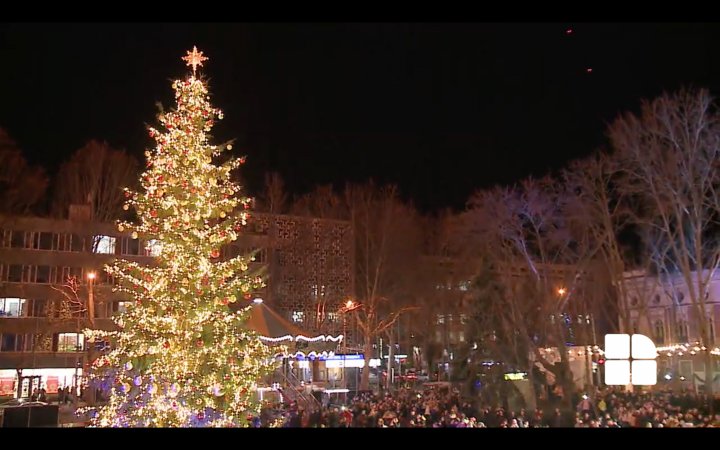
x: 464, y: 285
x: 461, y: 336
x: 77, y: 243
x: 43, y: 274
x: 153, y: 248
x: 634, y: 301
x: 61, y: 242
x: 438, y: 336
x: 333, y: 317
x: 298, y: 316
x: 121, y: 307
x: 12, y: 307
x: 129, y: 246
x: 5, y: 238
x: 70, y: 342
x: 681, y: 331
x: 29, y: 274
x: 440, y: 319
x: 44, y: 241
x: 104, y: 245
x: 17, y: 240
x: 463, y: 319
x: 15, y: 273
x: 659, y: 331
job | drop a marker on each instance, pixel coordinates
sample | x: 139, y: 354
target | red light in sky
x: 569, y: 31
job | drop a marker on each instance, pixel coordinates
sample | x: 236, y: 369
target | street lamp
x: 91, y: 300
x: 347, y: 307
x: 91, y: 315
x: 561, y: 291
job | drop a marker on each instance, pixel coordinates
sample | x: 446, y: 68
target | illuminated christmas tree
x: 181, y: 356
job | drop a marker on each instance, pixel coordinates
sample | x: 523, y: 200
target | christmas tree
x: 181, y: 355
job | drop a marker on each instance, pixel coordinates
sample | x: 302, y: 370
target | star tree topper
x: 194, y: 58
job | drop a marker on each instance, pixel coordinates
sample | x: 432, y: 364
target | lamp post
x: 91, y: 315
x: 91, y: 297
x: 347, y: 307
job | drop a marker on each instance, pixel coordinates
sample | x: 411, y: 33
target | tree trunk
x: 710, y: 379
x: 365, y: 378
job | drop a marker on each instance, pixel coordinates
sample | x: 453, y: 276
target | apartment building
x: 308, y: 263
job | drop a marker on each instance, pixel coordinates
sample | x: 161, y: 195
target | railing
x: 295, y: 391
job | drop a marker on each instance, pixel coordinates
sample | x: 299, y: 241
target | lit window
x: 105, y: 245
x: 11, y: 307
x: 463, y: 319
x: 70, y: 342
x: 464, y: 286
x: 153, y: 247
x: 461, y: 336
x: 298, y: 316
x: 333, y: 317
x: 440, y: 319
x: 121, y: 307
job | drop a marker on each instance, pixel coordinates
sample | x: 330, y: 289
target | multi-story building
x: 308, y: 263
x: 660, y: 308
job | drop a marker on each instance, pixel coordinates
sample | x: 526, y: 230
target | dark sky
x: 439, y: 109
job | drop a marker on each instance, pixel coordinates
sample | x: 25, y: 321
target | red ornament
x: 166, y: 344
x: 215, y: 253
x: 247, y: 296
x: 199, y: 343
x: 225, y: 301
x: 153, y: 213
x: 161, y: 178
x: 205, y: 280
x: 128, y: 194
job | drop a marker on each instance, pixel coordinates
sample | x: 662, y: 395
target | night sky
x: 440, y: 109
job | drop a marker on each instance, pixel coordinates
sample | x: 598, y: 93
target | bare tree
x: 541, y: 259
x: 96, y: 175
x: 600, y: 202
x: 670, y: 152
x: 22, y: 187
x: 323, y: 203
x: 273, y: 199
x: 388, y: 244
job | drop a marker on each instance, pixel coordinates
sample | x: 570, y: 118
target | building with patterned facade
x: 307, y: 261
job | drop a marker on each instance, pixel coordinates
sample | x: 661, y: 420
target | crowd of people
x: 408, y: 408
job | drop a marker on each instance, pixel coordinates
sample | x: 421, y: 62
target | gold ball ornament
x: 126, y: 207
x: 134, y: 235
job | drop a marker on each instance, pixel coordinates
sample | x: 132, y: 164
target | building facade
x: 52, y: 281
x: 661, y: 309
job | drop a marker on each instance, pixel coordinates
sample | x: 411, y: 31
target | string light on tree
x: 181, y: 356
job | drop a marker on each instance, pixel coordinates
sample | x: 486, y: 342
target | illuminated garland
x: 181, y: 357
x: 324, y: 338
x: 670, y: 350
